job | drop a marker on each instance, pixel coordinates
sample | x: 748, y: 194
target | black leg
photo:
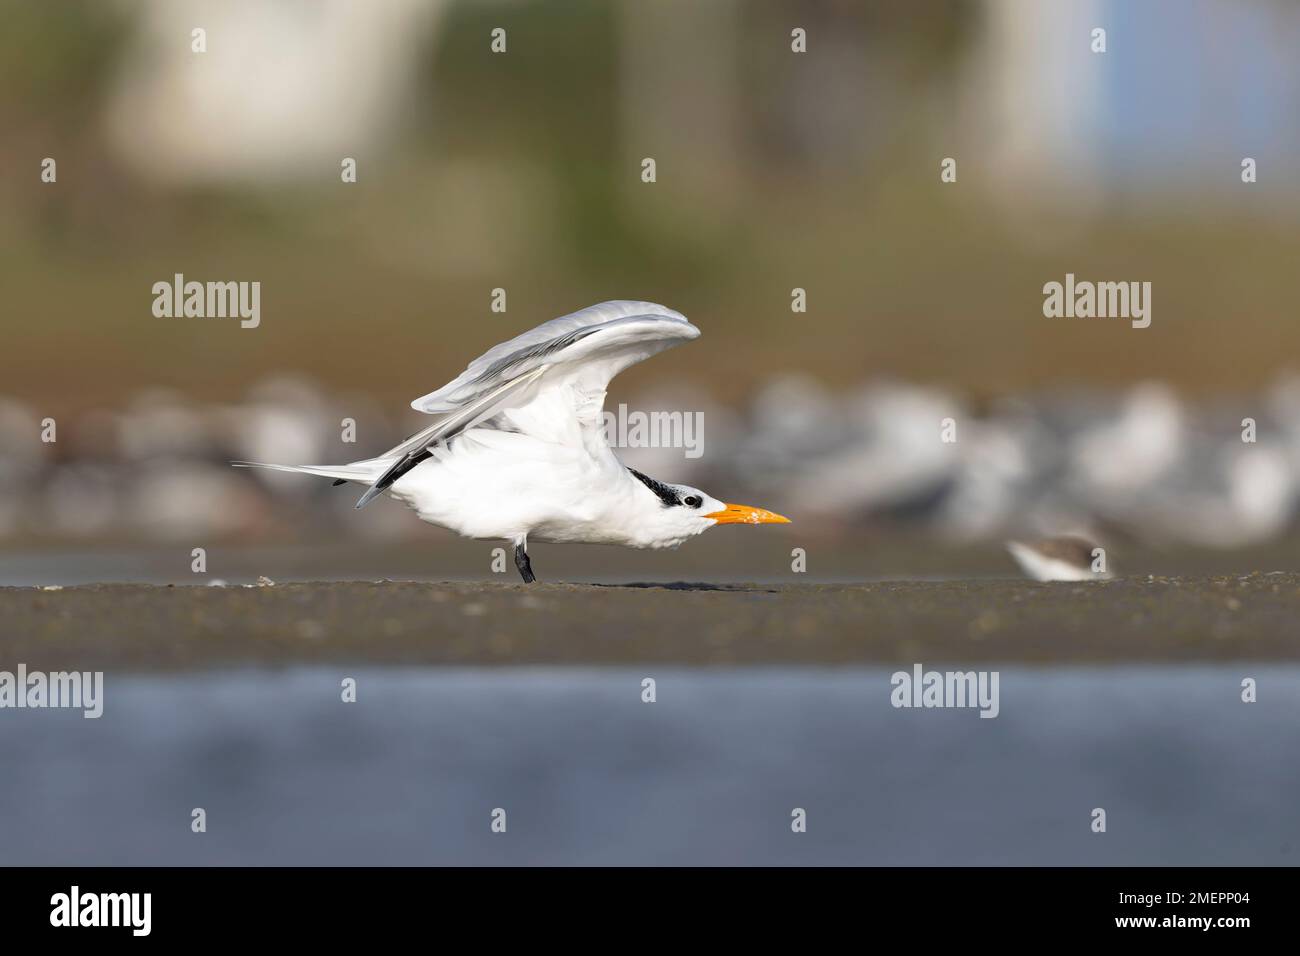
x: 522, y: 563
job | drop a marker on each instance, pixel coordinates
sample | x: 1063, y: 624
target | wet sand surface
x: 1133, y: 620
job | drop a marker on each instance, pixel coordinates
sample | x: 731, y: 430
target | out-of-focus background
x: 775, y: 171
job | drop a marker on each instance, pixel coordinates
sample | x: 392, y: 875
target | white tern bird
x: 520, y: 451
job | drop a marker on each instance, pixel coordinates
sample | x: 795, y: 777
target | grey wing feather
x: 496, y: 379
x: 415, y: 449
x: 523, y: 352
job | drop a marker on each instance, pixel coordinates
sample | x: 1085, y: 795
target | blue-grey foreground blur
x: 709, y: 774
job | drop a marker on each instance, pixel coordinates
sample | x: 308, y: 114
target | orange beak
x: 745, y: 514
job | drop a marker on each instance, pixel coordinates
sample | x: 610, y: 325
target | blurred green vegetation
x: 516, y: 171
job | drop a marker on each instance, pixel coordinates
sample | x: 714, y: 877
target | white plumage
x: 520, y: 451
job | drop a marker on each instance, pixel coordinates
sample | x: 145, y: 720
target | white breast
x: 495, y: 484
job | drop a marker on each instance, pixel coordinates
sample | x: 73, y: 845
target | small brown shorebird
x: 1062, y: 558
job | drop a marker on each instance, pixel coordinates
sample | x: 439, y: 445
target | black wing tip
x: 396, y: 470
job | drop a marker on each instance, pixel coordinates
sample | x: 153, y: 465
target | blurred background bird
x: 1062, y: 558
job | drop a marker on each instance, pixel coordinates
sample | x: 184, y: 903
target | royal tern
x: 520, y: 452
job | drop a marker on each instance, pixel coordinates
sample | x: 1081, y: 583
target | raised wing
x: 566, y: 339
x: 583, y: 350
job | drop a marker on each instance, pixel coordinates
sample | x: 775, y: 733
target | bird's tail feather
x: 363, y: 471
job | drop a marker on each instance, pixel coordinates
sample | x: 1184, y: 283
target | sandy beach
x: 162, y: 628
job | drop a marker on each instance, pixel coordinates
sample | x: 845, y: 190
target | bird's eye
x: 693, y: 501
